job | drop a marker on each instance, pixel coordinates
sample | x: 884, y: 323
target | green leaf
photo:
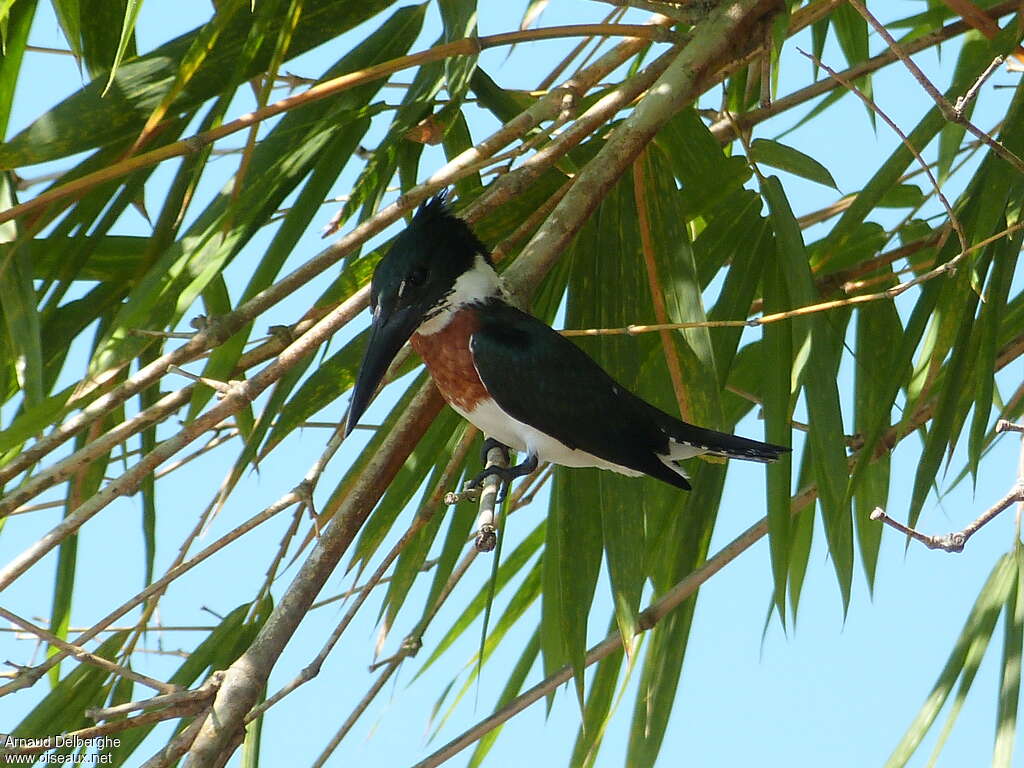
x: 15, y: 22
x: 509, y: 568
x: 826, y: 420
x: 86, y: 119
x: 990, y: 319
x: 777, y: 397
x: 879, y: 337
x: 578, y: 564
x: 18, y: 300
x: 131, y: 13
x: 598, y: 709
x: 964, y: 658
x: 902, y: 196
x: 1010, y: 669
x: 512, y: 688
x: 459, y: 18
x: 707, y: 175
x: 786, y: 158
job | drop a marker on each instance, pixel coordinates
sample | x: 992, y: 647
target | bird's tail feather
x: 688, y: 440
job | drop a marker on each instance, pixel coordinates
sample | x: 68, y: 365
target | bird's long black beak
x: 388, y: 332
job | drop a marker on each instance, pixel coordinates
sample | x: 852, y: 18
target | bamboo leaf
x: 879, y: 335
x: 509, y: 692
x: 1010, y: 669
x: 510, y: 567
x: 826, y: 435
x: 131, y: 13
x: 990, y: 318
x: 786, y: 158
x: 971, y: 643
x: 777, y: 397
x: 598, y: 709
x: 15, y: 22
x: 459, y: 18
x: 86, y: 119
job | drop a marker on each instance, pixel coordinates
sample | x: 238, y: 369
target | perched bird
x: 523, y: 384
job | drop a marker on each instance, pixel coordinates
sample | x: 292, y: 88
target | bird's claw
x: 505, y: 475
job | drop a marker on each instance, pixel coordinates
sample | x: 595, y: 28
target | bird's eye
x: 417, y: 277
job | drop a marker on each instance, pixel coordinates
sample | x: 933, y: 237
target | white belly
x: 494, y: 422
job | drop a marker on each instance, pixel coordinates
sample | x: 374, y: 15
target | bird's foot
x: 505, y: 475
x: 490, y: 443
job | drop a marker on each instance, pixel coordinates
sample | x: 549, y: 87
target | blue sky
x: 834, y: 688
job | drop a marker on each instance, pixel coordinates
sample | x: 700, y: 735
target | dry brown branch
x: 153, y: 589
x: 79, y: 653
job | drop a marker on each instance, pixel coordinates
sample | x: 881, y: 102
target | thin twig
x: 953, y: 220
x: 951, y: 113
x: 78, y: 652
x: 154, y: 588
x: 955, y: 542
x: 722, y: 130
x: 203, y: 693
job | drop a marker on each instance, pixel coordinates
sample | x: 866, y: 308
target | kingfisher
x: 523, y: 384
